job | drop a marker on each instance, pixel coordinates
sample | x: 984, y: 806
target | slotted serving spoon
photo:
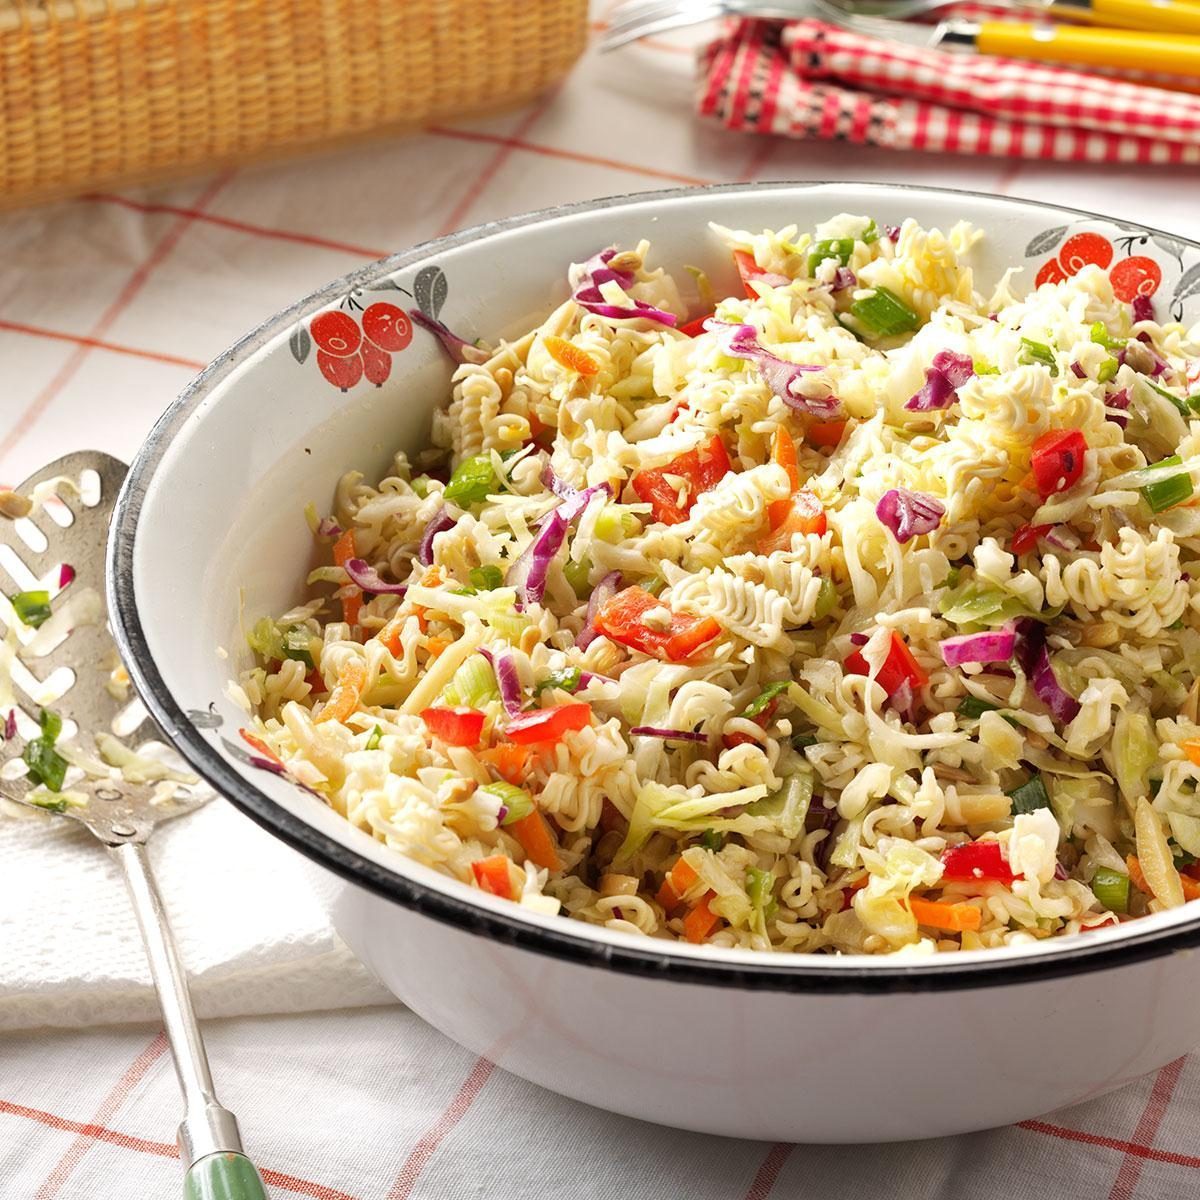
x: 68, y: 665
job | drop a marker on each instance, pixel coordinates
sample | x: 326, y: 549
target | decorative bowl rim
x: 561, y: 938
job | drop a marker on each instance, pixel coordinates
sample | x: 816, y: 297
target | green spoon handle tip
x: 223, y: 1176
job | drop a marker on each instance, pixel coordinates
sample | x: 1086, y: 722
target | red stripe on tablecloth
x: 135, y: 1073
x: 1095, y: 1139
x: 26, y: 421
x: 1156, y: 1108
x: 99, y: 344
x: 112, y: 1137
x: 768, y: 1171
x: 594, y: 160
x: 481, y: 181
x: 433, y: 1137
x: 267, y: 231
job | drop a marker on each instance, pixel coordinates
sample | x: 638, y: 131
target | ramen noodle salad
x: 859, y: 614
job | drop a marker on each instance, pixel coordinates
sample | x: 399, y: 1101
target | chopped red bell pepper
x: 1057, y: 460
x: 701, y: 470
x: 549, y: 724
x: 976, y: 861
x: 898, y: 668
x: 621, y: 620
x: 492, y: 876
x: 825, y: 433
x: 455, y: 726
x: 749, y: 271
x: 1026, y: 538
x: 696, y: 328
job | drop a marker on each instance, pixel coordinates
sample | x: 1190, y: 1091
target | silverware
x: 635, y: 19
x: 75, y: 678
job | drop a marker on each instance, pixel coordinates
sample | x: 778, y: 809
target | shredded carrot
x: 1191, y: 889
x: 569, y: 356
x: 679, y: 878
x: 824, y: 433
x: 783, y: 454
x: 343, y: 551
x: 1192, y: 749
x: 511, y: 762
x: 253, y: 740
x: 940, y: 914
x: 1136, y: 876
x: 343, y: 548
x: 389, y: 635
x: 701, y: 920
x: 345, y: 698
x: 435, y: 645
x: 537, y: 841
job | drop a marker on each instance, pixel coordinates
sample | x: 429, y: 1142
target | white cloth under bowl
x: 246, y: 912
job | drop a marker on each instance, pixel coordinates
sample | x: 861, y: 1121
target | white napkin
x: 246, y: 912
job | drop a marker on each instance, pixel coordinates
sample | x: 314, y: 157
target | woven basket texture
x: 104, y: 92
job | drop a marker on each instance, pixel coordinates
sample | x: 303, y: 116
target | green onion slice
x: 32, y: 608
x: 760, y: 702
x: 1166, y: 493
x: 1029, y: 797
x: 884, y: 313
x: 517, y: 801
x: 1111, y: 888
x: 472, y: 482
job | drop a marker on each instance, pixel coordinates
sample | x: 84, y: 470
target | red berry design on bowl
x: 1136, y: 276
x: 336, y: 333
x: 387, y: 326
x: 343, y: 373
x: 377, y: 364
x: 1051, y: 272
x: 1082, y: 249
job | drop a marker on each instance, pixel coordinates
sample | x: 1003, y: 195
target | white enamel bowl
x: 796, y: 1048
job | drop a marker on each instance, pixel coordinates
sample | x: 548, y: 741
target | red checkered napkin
x: 808, y: 79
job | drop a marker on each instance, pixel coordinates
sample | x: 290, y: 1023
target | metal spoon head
x: 67, y: 664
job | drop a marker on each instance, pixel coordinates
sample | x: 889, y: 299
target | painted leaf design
x: 237, y: 753
x: 1044, y: 242
x: 1168, y: 244
x: 1189, y: 283
x: 430, y: 290
x: 300, y: 343
x: 203, y: 719
x: 388, y: 285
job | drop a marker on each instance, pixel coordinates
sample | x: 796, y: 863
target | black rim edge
x: 780, y: 973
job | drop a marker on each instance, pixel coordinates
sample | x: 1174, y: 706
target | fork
x: 635, y: 19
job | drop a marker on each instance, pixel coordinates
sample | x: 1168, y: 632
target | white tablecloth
x: 107, y: 306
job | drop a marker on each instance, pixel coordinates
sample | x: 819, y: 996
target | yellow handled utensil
x: 1085, y: 46
x: 1078, y: 45
x: 1159, y: 16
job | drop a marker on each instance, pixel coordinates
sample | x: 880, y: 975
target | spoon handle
x: 209, y: 1142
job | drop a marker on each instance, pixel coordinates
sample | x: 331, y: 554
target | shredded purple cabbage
x: 1143, y: 308
x: 991, y: 646
x: 949, y: 371
x: 608, y: 587
x: 1077, y: 370
x: 588, y: 677
x: 892, y: 232
x: 909, y: 514
x: 329, y: 528
x: 1062, y: 537
x: 459, y: 349
x: 859, y: 639
x: 587, y: 278
x: 10, y: 725
x: 1033, y: 658
x: 843, y: 278
x: 366, y: 577
x: 439, y: 523
x: 528, y: 574
x: 1116, y: 405
x: 66, y: 576
x: 741, y: 341
x: 673, y: 735
x: 508, y: 680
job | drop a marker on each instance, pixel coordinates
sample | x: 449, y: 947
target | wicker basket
x: 99, y: 92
